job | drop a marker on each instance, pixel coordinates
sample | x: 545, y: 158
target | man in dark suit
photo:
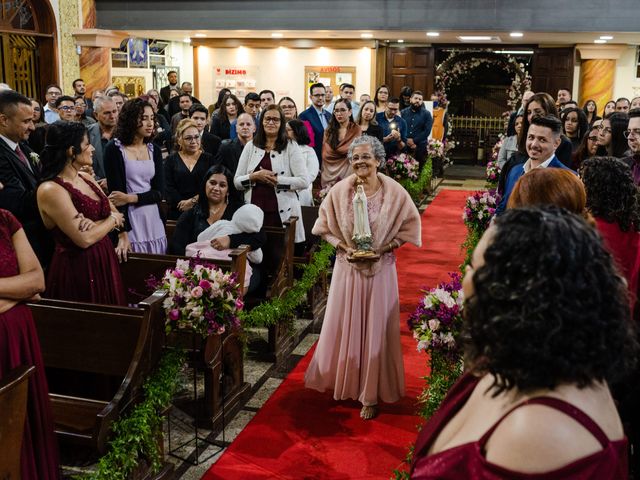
x: 173, y: 106
x: 230, y: 150
x: 20, y: 171
x: 210, y: 143
x: 172, y: 77
x: 79, y: 91
x: 543, y: 138
x: 317, y: 116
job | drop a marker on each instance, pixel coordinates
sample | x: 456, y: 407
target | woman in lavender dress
x: 135, y: 179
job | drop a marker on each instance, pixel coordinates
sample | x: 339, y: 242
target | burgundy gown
x: 468, y: 460
x: 19, y: 345
x: 85, y: 274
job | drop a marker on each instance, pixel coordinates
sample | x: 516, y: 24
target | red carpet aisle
x: 304, y: 434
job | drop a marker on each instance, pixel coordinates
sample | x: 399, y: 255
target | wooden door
x: 412, y: 66
x: 19, y: 61
x: 552, y: 69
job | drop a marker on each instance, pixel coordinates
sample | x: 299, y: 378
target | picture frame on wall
x: 328, y: 75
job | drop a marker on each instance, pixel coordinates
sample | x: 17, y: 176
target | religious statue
x: 361, y: 230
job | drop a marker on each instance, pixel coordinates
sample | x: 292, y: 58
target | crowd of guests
x: 84, y: 182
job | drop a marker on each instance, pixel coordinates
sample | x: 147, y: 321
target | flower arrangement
x: 493, y: 172
x: 201, y: 298
x: 435, y: 148
x: 437, y: 321
x: 480, y: 209
x: 319, y: 195
x: 403, y: 166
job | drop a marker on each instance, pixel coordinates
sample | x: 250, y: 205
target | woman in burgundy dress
x: 535, y: 401
x: 84, y: 267
x: 21, y: 278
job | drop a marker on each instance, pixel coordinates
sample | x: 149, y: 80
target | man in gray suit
x: 100, y: 133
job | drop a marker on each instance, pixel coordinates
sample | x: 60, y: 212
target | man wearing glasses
x: 52, y: 93
x: 66, y: 108
x: 317, y: 116
x: 632, y: 134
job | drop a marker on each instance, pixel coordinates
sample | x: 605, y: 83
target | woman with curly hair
x: 535, y: 400
x: 613, y: 199
x: 135, y: 176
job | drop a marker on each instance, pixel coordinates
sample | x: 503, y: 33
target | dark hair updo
x: 61, y: 136
x: 549, y: 306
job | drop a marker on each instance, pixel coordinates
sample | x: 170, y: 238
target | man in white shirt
x: 53, y: 91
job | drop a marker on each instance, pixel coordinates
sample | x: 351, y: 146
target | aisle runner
x: 304, y: 434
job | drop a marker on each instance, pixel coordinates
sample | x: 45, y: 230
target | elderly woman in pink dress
x: 366, y: 217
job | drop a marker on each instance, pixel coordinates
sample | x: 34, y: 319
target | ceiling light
x: 200, y: 35
x: 366, y: 35
x: 433, y: 34
x: 606, y: 37
x: 400, y: 41
x: 277, y: 35
x: 475, y: 38
x: 599, y: 41
x: 516, y: 34
x: 514, y: 52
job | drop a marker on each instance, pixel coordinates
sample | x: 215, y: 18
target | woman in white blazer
x: 270, y: 171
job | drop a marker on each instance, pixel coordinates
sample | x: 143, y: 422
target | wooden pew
x: 97, y: 358
x: 277, y: 268
x: 219, y: 357
x: 317, y: 296
x: 13, y: 405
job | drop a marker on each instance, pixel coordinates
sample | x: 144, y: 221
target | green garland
x: 417, y: 188
x: 136, y: 434
x: 282, y: 309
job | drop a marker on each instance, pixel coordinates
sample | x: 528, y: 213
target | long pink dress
x: 359, y: 355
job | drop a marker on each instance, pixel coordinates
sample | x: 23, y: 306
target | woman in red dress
x: 21, y: 278
x: 535, y: 401
x: 84, y: 267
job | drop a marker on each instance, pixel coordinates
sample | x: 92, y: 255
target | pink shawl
x: 398, y: 219
x: 335, y: 165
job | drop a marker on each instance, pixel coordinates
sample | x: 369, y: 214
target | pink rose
x: 196, y: 292
x: 205, y: 284
x: 174, y: 314
x: 239, y: 304
x: 178, y: 273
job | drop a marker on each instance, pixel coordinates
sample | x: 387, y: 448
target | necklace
x: 215, y: 212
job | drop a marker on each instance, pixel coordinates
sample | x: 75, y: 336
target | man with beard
x: 419, y: 123
x: 543, y: 138
x: 79, y: 91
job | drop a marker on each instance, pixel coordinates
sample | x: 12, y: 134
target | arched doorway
x: 27, y: 46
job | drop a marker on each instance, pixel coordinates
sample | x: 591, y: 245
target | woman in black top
x: 229, y: 112
x: 213, y: 204
x: 184, y: 169
x: 367, y: 120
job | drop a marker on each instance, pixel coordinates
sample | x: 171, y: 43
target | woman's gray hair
x: 374, y: 143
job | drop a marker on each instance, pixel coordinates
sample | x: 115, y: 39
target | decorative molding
x: 600, y: 52
x: 69, y: 11
x: 96, y: 37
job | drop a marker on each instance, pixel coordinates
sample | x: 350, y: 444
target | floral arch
x: 460, y: 64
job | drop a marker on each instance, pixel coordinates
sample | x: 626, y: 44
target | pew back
x: 97, y: 358
x: 13, y: 405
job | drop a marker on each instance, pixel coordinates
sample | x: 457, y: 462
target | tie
x: 323, y: 120
x: 22, y: 157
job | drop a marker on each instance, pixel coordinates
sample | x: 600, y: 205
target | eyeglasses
x: 271, y: 119
x: 66, y: 108
x: 191, y: 139
x: 632, y: 133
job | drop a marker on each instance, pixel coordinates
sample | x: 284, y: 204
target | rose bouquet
x: 436, y: 325
x: 480, y: 209
x: 435, y: 148
x: 437, y: 321
x: 319, y: 195
x: 493, y: 172
x: 403, y: 167
x: 201, y: 298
